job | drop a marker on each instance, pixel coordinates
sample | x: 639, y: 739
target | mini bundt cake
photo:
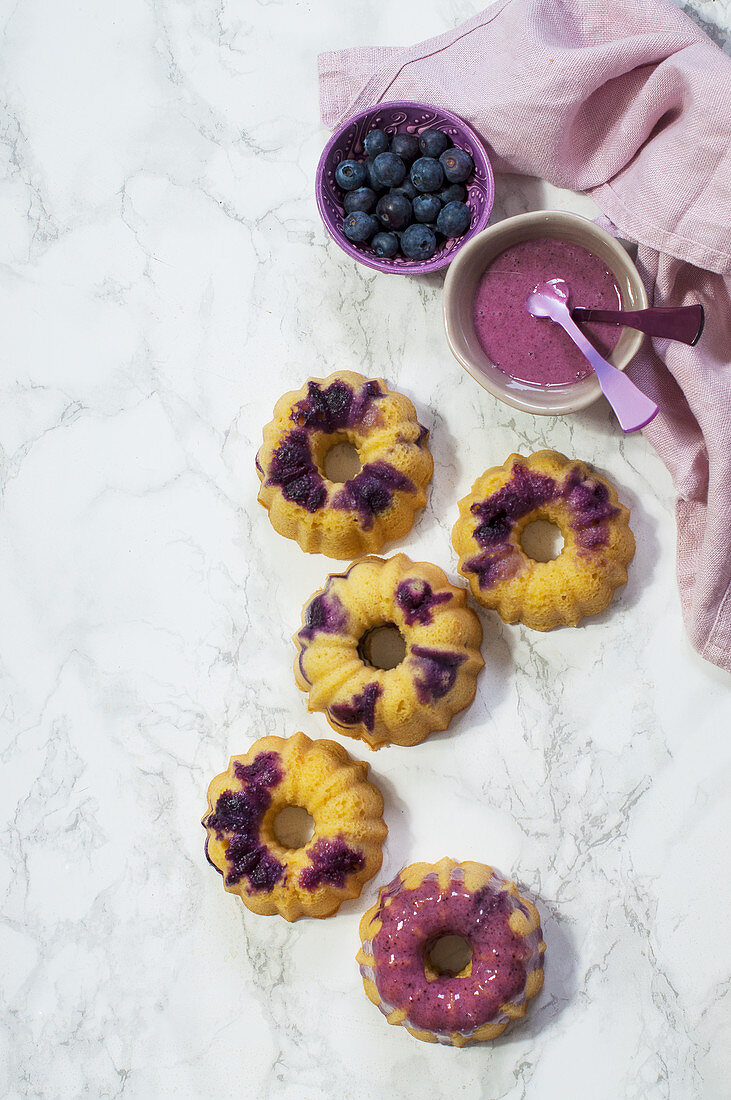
x: 345, y: 849
x: 598, y: 544
x: 343, y: 520
x: 441, y: 640
x: 426, y: 903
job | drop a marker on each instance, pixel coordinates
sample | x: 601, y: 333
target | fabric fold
x: 629, y: 101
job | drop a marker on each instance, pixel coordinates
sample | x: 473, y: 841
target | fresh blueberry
x: 389, y: 169
x: 374, y: 183
x: 350, y: 175
x: 454, y: 219
x: 456, y: 192
x: 427, y: 174
x: 362, y: 199
x: 426, y: 208
x: 406, y: 189
x: 418, y: 242
x: 433, y: 143
x: 385, y: 245
x: 375, y: 142
x: 458, y: 166
x: 405, y: 146
x: 360, y: 226
x: 394, y: 211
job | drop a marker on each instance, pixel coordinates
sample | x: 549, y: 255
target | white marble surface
x: 164, y: 278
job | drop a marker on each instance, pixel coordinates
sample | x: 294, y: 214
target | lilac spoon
x: 684, y: 323
x: 633, y: 409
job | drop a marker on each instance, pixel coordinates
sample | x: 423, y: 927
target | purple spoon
x: 684, y: 323
x: 633, y: 408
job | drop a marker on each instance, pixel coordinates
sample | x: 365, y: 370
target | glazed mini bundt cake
x: 372, y: 508
x: 441, y: 640
x: 345, y: 849
x: 598, y: 543
x: 426, y: 903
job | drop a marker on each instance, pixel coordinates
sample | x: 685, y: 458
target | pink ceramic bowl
x: 458, y: 305
x: 409, y: 118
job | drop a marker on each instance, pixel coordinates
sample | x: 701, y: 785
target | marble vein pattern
x: 165, y: 277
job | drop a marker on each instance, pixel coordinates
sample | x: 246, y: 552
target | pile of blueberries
x: 407, y: 194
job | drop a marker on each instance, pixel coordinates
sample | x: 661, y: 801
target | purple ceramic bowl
x: 408, y: 118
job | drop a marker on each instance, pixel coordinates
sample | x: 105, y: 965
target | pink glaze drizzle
x: 412, y: 920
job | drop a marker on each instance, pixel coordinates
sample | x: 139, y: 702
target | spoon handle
x: 684, y: 323
x: 632, y: 408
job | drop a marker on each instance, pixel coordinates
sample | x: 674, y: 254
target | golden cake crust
x: 376, y: 506
x: 598, y: 543
x: 435, y: 680
x: 344, y: 851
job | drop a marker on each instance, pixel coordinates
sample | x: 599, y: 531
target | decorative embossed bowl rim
x: 402, y: 117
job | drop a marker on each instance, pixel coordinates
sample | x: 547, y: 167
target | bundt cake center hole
x: 541, y: 540
x: 293, y: 827
x: 341, y: 462
x: 383, y: 646
x: 449, y: 955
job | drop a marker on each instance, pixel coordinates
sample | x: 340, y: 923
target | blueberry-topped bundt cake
x: 357, y: 516
x: 501, y: 970
x: 440, y: 639
x: 598, y: 543
x: 345, y: 849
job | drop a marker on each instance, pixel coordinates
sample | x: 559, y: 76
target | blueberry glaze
x: 324, y: 613
x: 238, y: 816
x: 331, y: 861
x: 360, y: 710
x: 523, y: 493
x: 437, y: 672
x: 524, y: 347
x: 416, y: 599
x: 336, y: 407
x: 329, y: 410
x: 414, y: 920
x: 494, y: 566
x: 292, y: 469
x: 586, y: 499
x: 590, y: 509
x: 371, y: 491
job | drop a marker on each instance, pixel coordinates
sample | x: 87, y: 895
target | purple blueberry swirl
x: 585, y: 499
x: 417, y: 600
x: 237, y: 817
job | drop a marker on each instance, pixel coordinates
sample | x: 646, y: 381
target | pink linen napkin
x: 629, y: 101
